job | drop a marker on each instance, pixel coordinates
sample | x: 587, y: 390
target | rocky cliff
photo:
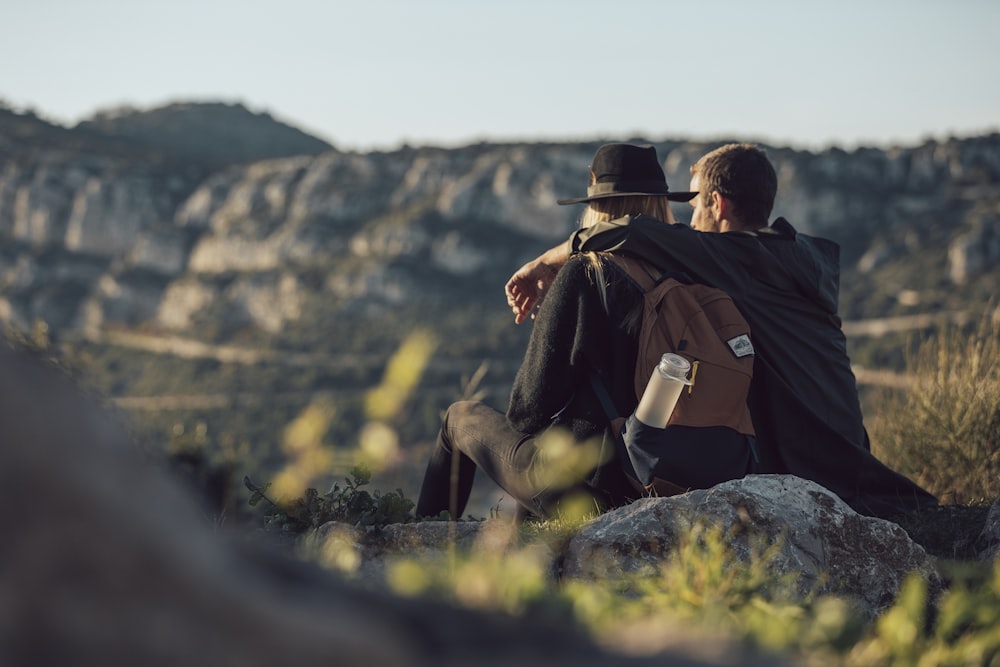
x: 95, y: 238
x: 291, y: 244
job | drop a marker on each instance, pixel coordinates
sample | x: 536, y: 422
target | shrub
x: 352, y: 505
x: 943, y: 430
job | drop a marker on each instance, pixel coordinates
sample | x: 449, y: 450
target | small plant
x: 350, y: 504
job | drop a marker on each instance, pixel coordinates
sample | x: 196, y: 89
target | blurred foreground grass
x: 943, y: 430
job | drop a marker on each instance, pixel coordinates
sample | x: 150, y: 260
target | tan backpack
x: 703, y: 325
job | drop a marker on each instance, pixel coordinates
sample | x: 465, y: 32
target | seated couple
x: 802, y: 398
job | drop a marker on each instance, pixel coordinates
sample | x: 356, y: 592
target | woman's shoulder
x: 588, y: 269
x: 581, y: 274
x: 594, y: 266
x: 576, y: 268
x: 583, y: 262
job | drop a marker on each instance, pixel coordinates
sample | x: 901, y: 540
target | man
x: 803, y: 397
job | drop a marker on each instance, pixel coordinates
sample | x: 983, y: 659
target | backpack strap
x: 617, y: 422
x: 658, y: 487
x: 682, y: 277
x: 603, y: 397
x: 645, y: 274
x: 642, y: 273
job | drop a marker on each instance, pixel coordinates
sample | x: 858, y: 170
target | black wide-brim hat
x: 626, y: 170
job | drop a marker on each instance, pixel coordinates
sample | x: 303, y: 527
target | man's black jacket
x: 803, y: 399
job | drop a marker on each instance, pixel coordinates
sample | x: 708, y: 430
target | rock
x: 977, y: 250
x: 991, y: 533
x: 827, y: 546
x: 161, y: 250
x: 831, y: 548
x: 457, y: 256
x: 129, y: 299
x: 183, y: 300
x: 269, y: 301
x: 42, y: 200
x: 108, y: 216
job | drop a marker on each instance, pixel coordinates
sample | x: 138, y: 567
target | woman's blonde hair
x: 612, y: 208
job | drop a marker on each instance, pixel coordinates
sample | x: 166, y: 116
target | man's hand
x: 527, y: 287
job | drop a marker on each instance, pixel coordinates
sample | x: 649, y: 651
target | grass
x: 943, y: 430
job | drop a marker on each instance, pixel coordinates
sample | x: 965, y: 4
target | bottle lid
x: 675, y: 366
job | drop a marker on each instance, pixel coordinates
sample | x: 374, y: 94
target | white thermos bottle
x: 663, y: 389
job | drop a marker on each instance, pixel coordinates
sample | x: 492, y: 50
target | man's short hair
x: 743, y: 174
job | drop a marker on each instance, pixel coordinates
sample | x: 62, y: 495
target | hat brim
x: 672, y: 196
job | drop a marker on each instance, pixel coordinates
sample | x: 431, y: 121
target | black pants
x: 690, y: 457
x: 474, y: 435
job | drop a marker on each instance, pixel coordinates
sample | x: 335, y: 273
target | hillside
x: 208, y: 290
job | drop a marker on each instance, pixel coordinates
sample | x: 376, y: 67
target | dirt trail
x: 188, y: 348
x: 880, y: 326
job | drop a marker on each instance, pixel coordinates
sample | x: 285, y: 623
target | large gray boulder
x: 820, y: 542
x: 826, y: 544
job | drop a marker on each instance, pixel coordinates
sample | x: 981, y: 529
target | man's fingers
x: 510, y: 289
x: 523, y: 306
x: 525, y: 289
x: 514, y: 290
x: 520, y: 314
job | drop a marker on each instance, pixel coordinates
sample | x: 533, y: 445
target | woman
x: 586, y: 326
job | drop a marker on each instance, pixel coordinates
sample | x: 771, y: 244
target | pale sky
x: 375, y: 73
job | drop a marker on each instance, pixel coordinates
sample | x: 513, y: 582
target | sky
x: 374, y: 74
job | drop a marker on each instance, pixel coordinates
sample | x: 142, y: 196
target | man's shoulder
x: 819, y: 246
x: 659, y: 226
x: 780, y: 228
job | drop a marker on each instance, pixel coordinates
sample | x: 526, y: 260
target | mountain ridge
x: 217, y: 133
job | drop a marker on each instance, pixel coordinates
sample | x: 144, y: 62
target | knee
x: 454, y: 416
x: 458, y: 412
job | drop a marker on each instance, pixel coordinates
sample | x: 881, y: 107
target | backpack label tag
x: 741, y: 346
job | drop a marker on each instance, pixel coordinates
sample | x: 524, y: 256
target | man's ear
x: 719, y: 204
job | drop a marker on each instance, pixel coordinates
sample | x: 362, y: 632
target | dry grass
x: 943, y: 430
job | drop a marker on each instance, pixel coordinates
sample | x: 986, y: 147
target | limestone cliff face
x: 977, y: 250
x: 72, y: 224
x: 91, y: 240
